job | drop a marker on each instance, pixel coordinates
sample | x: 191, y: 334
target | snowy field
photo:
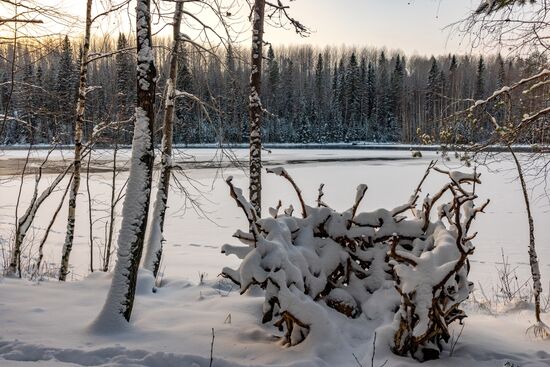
x: 46, y: 322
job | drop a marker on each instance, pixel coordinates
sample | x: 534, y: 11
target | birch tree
x: 508, y: 128
x: 25, y: 221
x: 539, y: 329
x: 80, y: 107
x: 255, y: 106
x: 155, y: 239
x: 278, y: 14
x: 120, y: 298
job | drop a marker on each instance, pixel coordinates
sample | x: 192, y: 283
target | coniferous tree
x: 342, y: 102
x: 480, y: 127
x: 186, y: 127
x: 324, y: 87
x: 479, y: 92
x: 352, y: 104
x: 65, y: 92
x: 452, y: 90
x: 230, y: 96
x: 289, y: 101
x: 382, y: 107
x: 362, y: 98
x: 319, y: 97
x: 41, y: 134
x: 335, y: 114
x: 28, y: 102
x: 396, y: 100
x: 125, y: 85
x: 501, y: 73
x: 433, y: 99
x: 272, y: 93
x: 371, y: 102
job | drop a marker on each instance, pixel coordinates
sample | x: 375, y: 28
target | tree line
x: 310, y: 95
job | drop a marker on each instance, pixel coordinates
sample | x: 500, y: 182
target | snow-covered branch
x: 345, y: 261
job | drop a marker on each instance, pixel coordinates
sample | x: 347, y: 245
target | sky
x: 413, y: 26
x: 410, y: 26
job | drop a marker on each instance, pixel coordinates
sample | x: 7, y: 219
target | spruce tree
x: 453, y: 78
x: 362, y: 98
x: 125, y: 85
x: 479, y: 92
x: 382, y: 97
x: 371, y: 102
x: 66, y: 76
x: 335, y: 114
x: 319, y: 98
x: 229, y: 97
x: 273, y: 76
x: 26, y: 135
x: 501, y: 72
x: 272, y: 94
x: 41, y: 133
x: 185, y: 132
x: 352, y: 104
x: 289, y: 101
x: 396, y: 100
x: 342, y: 102
x: 433, y: 98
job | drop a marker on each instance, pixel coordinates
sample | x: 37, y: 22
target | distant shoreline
x: 327, y: 146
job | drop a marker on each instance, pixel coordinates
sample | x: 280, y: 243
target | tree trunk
x: 36, y: 272
x: 80, y: 106
x: 107, y: 253
x: 533, y: 260
x: 255, y: 106
x: 16, y: 252
x: 120, y: 299
x: 155, y: 240
x: 90, y: 216
x: 26, y: 220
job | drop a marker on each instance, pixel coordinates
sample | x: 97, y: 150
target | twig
x: 456, y: 341
x: 212, y: 349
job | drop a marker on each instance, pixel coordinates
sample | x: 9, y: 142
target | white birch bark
x: 255, y: 106
x: 155, y: 239
x: 80, y: 108
x: 533, y: 259
x: 113, y: 202
x: 26, y: 220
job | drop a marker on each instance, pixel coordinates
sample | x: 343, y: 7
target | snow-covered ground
x: 47, y: 321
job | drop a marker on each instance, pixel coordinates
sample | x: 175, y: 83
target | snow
x: 48, y: 322
x: 145, y: 56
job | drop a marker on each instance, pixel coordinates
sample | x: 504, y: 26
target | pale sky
x: 413, y: 26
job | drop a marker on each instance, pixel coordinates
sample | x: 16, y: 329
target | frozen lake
x: 194, y: 238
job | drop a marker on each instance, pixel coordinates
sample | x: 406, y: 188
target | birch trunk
x: 38, y: 264
x: 533, y: 259
x: 80, y: 107
x: 255, y: 106
x: 26, y: 220
x: 155, y: 240
x: 13, y: 261
x: 107, y: 253
x: 120, y: 299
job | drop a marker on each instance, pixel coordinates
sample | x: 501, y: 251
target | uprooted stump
x: 343, y: 261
